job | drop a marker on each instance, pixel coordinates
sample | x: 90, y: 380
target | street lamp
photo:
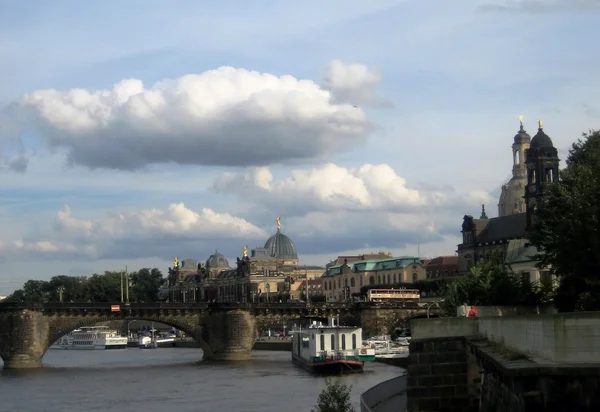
x: 437, y: 303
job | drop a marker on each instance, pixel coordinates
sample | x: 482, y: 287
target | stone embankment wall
x: 501, y: 364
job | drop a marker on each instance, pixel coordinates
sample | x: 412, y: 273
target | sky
x: 133, y: 132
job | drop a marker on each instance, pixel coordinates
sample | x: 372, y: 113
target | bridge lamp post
x: 129, y: 323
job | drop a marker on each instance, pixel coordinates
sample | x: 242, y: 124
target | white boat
x: 146, y: 342
x: 385, y: 348
x: 325, y: 349
x: 92, y: 337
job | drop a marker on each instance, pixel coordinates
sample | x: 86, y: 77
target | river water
x: 170, y: 379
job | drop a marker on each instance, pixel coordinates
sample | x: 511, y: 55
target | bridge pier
x: 229, y: 334
x: 23, y: 337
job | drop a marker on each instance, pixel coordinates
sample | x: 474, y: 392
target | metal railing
x: 387, y: 391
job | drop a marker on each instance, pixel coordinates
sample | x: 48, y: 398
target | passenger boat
x: 92, y: 337
x: 385, y: 348
x: 330, y: 349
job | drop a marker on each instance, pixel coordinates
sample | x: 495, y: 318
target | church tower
x: 541, y: 160
x: 511, y: 199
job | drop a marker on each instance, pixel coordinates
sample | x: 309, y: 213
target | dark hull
x: 329, y: 367
x: 124, y: 346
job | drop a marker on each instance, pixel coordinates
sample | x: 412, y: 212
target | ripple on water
x: 170, y: 378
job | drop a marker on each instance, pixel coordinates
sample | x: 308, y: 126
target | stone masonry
x: 437, y: 375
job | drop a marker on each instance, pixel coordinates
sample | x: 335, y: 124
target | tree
x: 334, y: 398
x: 566, y: 230
x: 145, y: 284
x: 491, y: 284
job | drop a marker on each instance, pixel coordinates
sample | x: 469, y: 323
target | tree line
x: 143, y: 287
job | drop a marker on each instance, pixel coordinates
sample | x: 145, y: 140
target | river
x: 170, y: 379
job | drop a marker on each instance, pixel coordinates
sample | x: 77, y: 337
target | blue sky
x: 427, y: 92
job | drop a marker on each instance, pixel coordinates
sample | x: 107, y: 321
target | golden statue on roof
x: 278, y: 220
x: 175, y: 262
x: 245, y: 251
x: 521, y: 120
x: 540, y: 124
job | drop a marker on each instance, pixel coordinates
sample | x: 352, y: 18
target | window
x: 360, y: 279
x: 344, y: 342
x: 389, y: 279
x: 395, y: 277
x: 525, y: 277
x: 332, y: 342
x: 371, y: 280
x: 352, y: 282
x: 322, y: 342
x: 415, y: 277
x: 354, y: 341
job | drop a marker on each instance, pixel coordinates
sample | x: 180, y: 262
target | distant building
x: 503, y: 239
x: 441, y: 266
x: 353, y: 258
x: 340, y: 282
x: 271, y: 272
x: 315, y: 288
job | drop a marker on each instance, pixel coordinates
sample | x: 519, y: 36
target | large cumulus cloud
x: 140, y: 234
x: 225, y: 116
x: 333, y: 208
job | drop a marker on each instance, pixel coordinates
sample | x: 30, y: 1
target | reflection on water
x: 161, y: 379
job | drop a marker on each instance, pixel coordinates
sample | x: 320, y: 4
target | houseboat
x: 330, y: 348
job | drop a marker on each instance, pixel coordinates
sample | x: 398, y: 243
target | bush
x: 335, y: 398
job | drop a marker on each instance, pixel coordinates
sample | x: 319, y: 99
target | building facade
x: 503, y: 238
x: 441, y: 267
x: 343, y: 282
x: 269, y: 273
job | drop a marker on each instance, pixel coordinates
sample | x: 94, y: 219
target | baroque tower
x: 511, y: 199
x: 541, y: 160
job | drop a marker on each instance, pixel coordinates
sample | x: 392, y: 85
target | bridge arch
x: 63, y: 325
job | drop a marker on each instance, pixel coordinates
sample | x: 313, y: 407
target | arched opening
x: 67, y: 325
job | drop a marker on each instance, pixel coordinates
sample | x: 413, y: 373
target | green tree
x: 491, y: 284
x: 567, y: 228
x: 144, y: 285
x: 334, y: 398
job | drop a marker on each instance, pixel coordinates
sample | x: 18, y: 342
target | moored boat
x: 91, y: 337
x: 385, y: 348
x: 330, y: 349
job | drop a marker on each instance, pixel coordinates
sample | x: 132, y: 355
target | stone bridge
x: 225, y: 331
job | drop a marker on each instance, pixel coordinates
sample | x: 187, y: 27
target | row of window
x: 333, y: 345
x: 381, y: 280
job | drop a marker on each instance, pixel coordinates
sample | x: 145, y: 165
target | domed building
x: 216, y: 263
x: 269, y: 273
x: 503, y: 238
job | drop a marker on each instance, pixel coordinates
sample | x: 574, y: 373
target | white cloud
x: 332, y: 208
x: 145, y: 233
x: 225, y: 116
x: 333, y: 188
x: 353, y: 83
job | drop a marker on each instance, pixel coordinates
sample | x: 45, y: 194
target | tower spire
x: 483, y: 214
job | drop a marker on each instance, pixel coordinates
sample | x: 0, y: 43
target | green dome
x: 281, y: 246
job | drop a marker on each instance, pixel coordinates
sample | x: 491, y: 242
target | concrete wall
x: 442, y: 327
x: 388, y: 396
x: 567, y: 338
x: 487, y: 311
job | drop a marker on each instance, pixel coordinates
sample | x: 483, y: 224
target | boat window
x: 332, y: 342
x: 322, y: 342
x: 344, y: 341
x: 354, y: 341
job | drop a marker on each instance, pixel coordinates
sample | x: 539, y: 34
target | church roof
x: 519, y: 250
x: 541, y: 140
x: 501, y: 228
x: 522, y: 136
x: 217, y: 261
